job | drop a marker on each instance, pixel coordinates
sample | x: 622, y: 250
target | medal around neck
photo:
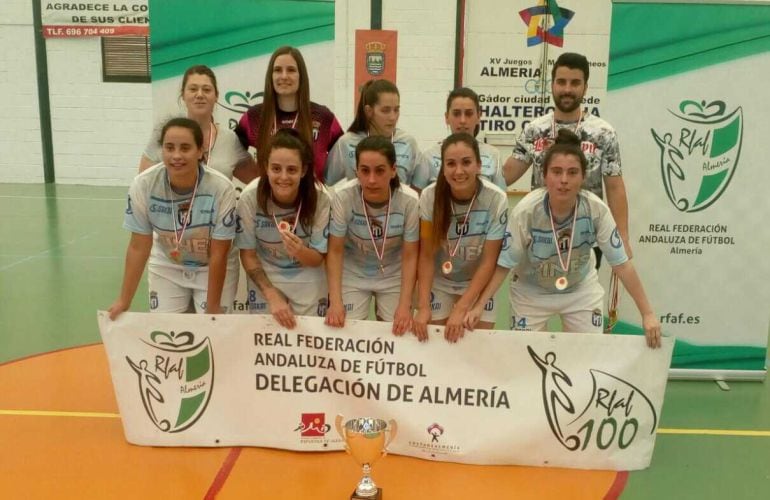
x: 561, y: 283
x: 447, y: 267
x: 364, y: 440
x: 284, y: 226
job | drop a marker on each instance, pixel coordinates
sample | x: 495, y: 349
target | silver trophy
x: 365, y: 441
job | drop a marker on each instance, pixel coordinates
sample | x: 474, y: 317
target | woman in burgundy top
x: 286, y: 104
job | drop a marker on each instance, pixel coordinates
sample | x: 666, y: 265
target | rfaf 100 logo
x: 175, y: 378
x: 617, y: 412
x: 699, y: 152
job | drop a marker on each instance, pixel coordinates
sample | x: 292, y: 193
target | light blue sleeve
x: 513, y: 249
x: 340, y: 213
x: 245, y: 232
x: 137, y: 219
x: 421, y: 177
x: 224, y: 225
x: 335, y: 163
x: 319, y: 238
x: 499, y: 217
x: 411, y: 220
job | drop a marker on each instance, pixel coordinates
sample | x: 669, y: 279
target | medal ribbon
x: 293, y: 123
x: 453, y: 252
x: 380, y: 254
x: 296, y: 218
x: 178, y: 237
x: 564, y: 267
x: 577, y: 126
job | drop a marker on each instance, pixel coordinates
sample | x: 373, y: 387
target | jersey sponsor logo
x: 129, y: 210
x: 615, y: 240
x: 229, y: 219
x: 490, y: 305
x: 323, y: 306
x: 153, y: 300
x: 596, y: 318
x: 700, y: 144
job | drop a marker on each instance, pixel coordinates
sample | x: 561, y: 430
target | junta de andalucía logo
x: 699, y: 153
x: 175, y: 379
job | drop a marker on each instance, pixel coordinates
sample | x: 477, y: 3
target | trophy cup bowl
x: 364, y: 440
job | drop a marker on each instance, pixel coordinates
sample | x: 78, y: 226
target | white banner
x: 83, y: 18
x: 568, y: 400
x: 510, y: 48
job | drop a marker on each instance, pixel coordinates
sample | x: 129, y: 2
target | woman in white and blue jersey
x: 377, y: 114
x: 463, y: 114
x: 552, y: 232
x: 373, y: 241
x: 181, y: 215
x: 282, y: 233
x: 462, y: 227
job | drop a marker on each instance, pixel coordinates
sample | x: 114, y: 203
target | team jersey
x: 532, y: 249
x: 326, y: 130
x: 152, y: 206
x: 342, y: 158
x: 490, y: 166
x: 487, y: 221
x: 348, y: 220
x: 226, y: 154
x: 257, y: 230
x: 598, y: 141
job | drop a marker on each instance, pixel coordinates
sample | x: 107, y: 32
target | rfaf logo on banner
x: 615, y: 414
x: 313, y: 425
x: 175, y: 378
x: 537, y: 20
x: 699, y: 152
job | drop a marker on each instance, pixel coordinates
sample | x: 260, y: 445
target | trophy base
x: 377, y: 496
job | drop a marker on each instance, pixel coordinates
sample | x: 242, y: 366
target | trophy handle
x: 338, y: 424
x: 392, y: 430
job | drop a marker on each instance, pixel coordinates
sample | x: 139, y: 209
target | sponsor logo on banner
x: 375, y: 58
x: 536, y: 19
x: 616, y: 413
x: 436, y: 431
x: 699, y: 152
x: 175, y: 379
x: 313, y: 425
x: 435, y: 446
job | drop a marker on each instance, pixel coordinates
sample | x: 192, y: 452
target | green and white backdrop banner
x: 236, y: 38
x: 686, y: 96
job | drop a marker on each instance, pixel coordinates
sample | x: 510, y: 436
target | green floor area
x: 61, y: 259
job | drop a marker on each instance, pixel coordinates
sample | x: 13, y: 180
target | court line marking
x: 44, y: 413
x: 715, y: 432
x: 59, y: 198
x: 49, y: 250
x: 697, y: 432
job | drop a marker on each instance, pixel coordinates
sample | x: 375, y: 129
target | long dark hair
x: 370, y: 95
x: 381, y: 145
x: 268, y: 116
x: 307, y: 194
x: 443, y: 193
x: 567, y: 143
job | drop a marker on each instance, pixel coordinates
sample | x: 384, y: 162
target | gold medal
x: 561, y: 283
x: 447, y: 267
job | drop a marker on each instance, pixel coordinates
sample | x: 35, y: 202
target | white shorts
x: 306, y: 299
x: 386, y: 294
x: 441, y: 304
x: 171, y: 290
x: 580, y: 309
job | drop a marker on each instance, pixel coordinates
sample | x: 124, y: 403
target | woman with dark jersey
x: 286, y: 104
